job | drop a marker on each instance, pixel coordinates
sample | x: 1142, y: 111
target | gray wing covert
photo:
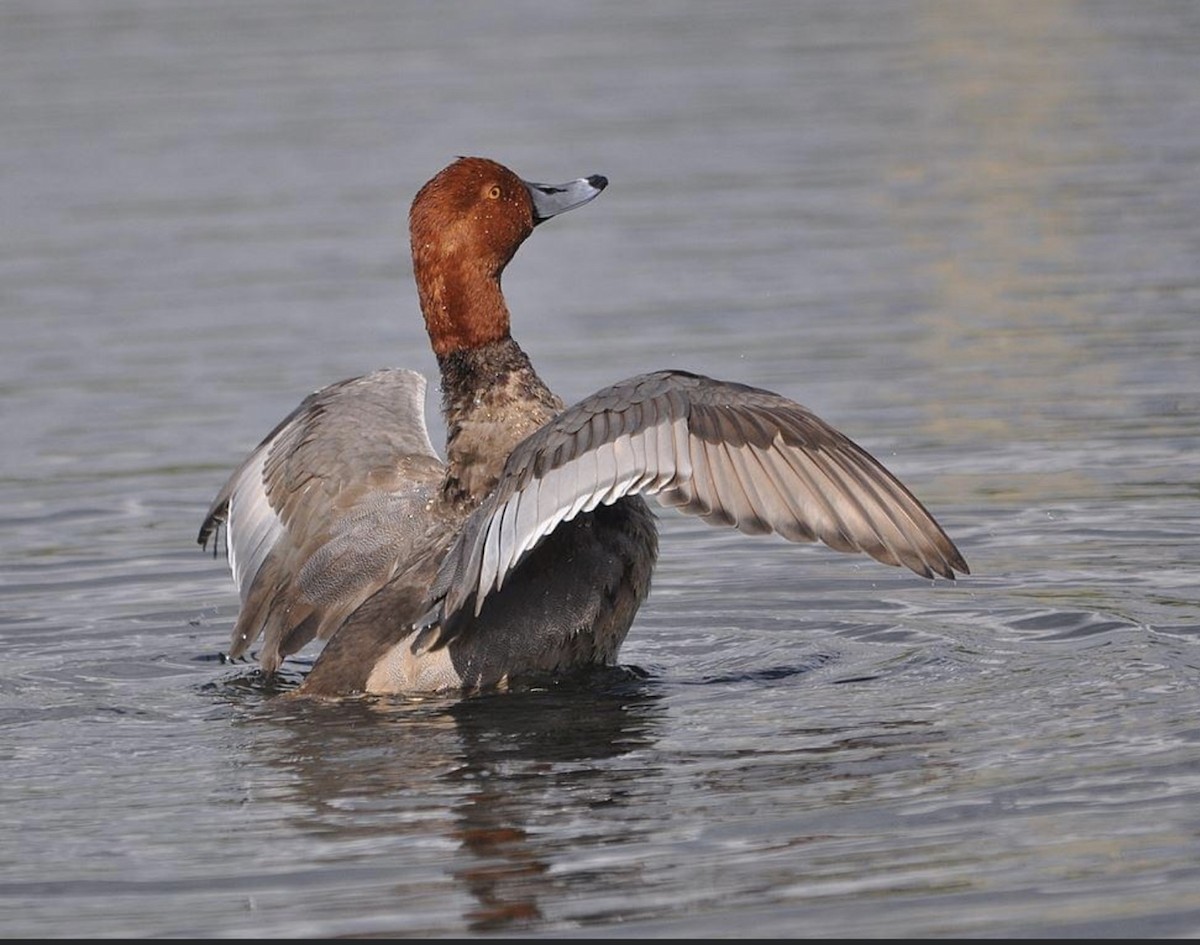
x: 318, y: 513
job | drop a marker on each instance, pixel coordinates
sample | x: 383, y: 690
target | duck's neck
x: 461, y: 298
x: 492, y: 399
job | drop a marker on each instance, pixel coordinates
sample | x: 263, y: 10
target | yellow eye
x: 494, y: 192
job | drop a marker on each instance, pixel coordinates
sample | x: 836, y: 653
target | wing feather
x: 317, y: 513
x: 734, y: 455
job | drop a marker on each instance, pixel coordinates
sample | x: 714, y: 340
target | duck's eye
x: 494, y: 192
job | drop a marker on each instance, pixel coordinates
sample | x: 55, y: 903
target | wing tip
x: 946, y: 565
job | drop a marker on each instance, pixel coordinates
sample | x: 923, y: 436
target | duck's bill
x: 549, y: 200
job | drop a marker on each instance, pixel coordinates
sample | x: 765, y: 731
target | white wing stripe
x: 489, y: 566
x: 628, y: 470
x: 507, y: 539
x: 527, y: 518
x: 606, y: 475
x: 603, y: 474
x: 253, y: 528
x: 664, y: 448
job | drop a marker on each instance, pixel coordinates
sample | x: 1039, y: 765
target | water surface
x: 966, y: 234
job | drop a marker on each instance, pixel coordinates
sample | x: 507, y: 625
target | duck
x: 525, y: 552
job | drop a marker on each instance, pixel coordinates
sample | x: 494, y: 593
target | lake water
x: 966, y: 234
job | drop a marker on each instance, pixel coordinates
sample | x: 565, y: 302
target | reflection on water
x: 486, y: 774
x: 580, y: 803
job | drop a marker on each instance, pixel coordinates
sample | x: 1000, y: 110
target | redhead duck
x: 529, y: 548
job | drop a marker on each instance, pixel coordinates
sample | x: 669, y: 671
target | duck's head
x: 465, y: 225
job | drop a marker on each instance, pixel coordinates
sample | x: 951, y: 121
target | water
x: 966, y: 234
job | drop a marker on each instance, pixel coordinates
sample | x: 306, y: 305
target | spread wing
x: 734, y: 455
x: 317, y: 514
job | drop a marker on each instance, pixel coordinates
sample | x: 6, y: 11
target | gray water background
x: 967, y: 234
